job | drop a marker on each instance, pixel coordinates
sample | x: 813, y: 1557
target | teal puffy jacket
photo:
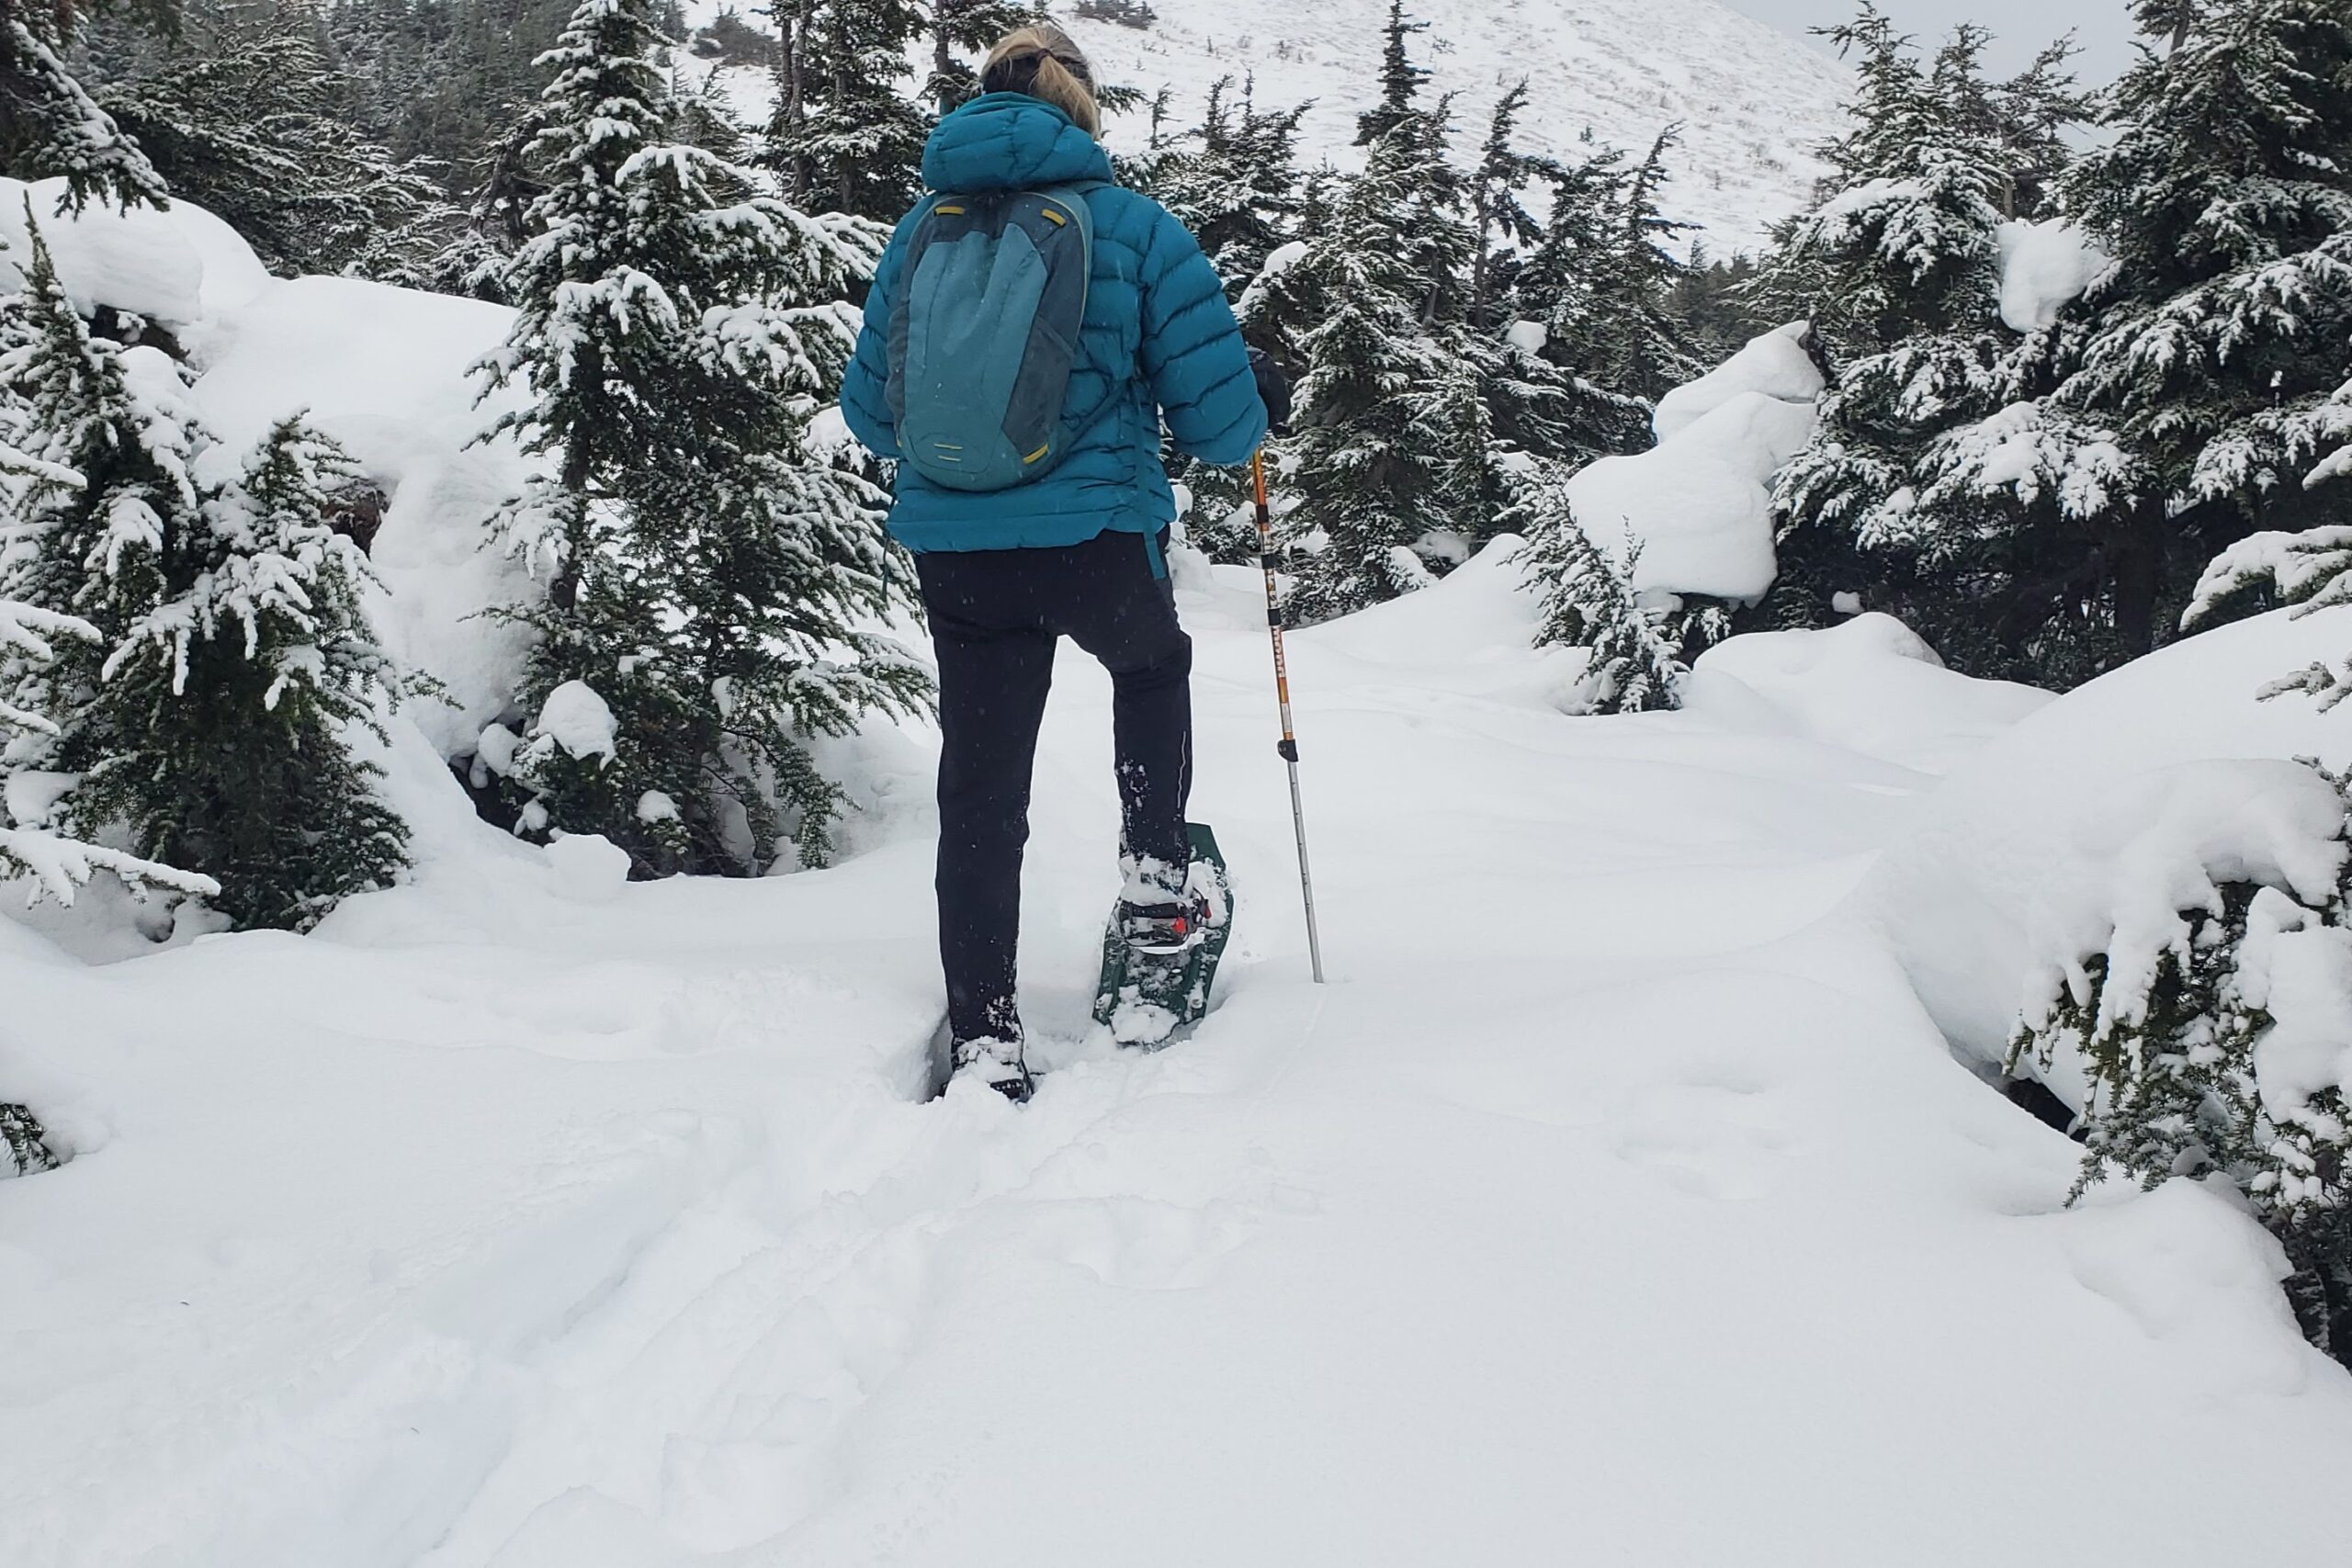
x: 1158, y: 339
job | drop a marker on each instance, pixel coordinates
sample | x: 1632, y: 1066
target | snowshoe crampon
x: 1158, y: 964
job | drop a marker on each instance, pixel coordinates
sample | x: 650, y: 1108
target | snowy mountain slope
x: 1615, y: 1203
x: 1751, y: 100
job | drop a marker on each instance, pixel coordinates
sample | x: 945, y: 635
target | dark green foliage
x: 206, y: 720
x: 243, y: 113
x: 1899, y: 270
x: 1368, y: 470
x: 845, y: 134
x: 48, y: 123
x: 1600, y: 281
x: 227, y: 702
x: 730, y: 40
x: 1234, y: 180
x: 2212, y: 351
x: 1712, y: 302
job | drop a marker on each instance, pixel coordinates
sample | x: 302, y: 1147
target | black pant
x: 995, y: 619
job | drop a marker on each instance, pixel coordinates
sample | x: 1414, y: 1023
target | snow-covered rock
x: 2098, y: 817
x: 2043, y: 265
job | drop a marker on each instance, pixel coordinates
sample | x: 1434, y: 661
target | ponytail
x: 1043, y: 62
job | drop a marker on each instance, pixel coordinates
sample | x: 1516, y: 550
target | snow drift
x: 2105, y: 813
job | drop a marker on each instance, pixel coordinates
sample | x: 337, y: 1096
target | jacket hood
x: 1010, y: 141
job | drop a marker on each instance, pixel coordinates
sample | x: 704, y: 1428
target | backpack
x: 984, y: 334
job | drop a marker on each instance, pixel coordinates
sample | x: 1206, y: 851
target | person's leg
x: 993, y: 679
x: 1124, y: 614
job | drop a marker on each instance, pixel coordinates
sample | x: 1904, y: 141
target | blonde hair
x: 1043, y: 62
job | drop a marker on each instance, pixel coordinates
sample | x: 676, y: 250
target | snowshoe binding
x: 1160, y: 957
x: 996, y: 1063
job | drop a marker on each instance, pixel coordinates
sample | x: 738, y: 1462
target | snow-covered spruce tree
x: 107, y: 478
x: 1556, y: 289
x: 708, y: 573
x: 229, y: 698
x: 1898, y: 270
x: 1371, y: 474
x: 845, y: 134
x: 1630, y: 341
x: 1634, y: 657
x: 1234, y: 180
x: 1401, y: 78
x: 30, y: 640
x: 48, y: 123
x: 1498, y: 213
x: 2211, y: 352
x: 2184, y: 1043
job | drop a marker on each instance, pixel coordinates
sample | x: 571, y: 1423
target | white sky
x: 2020, y: 26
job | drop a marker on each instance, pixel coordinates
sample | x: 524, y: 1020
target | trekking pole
x: 1289, y: 746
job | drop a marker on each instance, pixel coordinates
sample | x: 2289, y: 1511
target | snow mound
x: 179, y: 266
x: 1699, y: 504
x: 386, y: 371
x: 2101, y: 817
x: 1870, y: 684
x: 1775, y: 365
x: 2043, y: 265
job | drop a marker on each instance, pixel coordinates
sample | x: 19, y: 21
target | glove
x: 1273, y: 388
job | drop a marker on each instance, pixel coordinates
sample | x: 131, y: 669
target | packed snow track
x: 1616, y: 1202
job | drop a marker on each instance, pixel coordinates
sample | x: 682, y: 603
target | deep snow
x: 1616, y: 1202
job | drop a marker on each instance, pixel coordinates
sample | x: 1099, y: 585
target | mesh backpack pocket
x: 985, y: 334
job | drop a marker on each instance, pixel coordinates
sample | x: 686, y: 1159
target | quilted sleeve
x: 1193, y: 354
x: 865, y: 405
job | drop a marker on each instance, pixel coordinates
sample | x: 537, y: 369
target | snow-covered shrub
x: 2215, y: 1044
x: 23, y: 1146
x: 1633, y: 650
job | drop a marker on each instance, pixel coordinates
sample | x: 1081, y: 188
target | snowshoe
x: 1160, y: 959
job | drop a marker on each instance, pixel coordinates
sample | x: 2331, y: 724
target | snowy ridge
x: 1751, y: 100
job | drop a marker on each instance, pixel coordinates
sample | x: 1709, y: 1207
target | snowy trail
x: 1616, y: 1203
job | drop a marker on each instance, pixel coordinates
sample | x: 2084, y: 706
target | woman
x: 1078, y: 552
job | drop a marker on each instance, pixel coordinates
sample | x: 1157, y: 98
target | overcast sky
x: 2020, y: 26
